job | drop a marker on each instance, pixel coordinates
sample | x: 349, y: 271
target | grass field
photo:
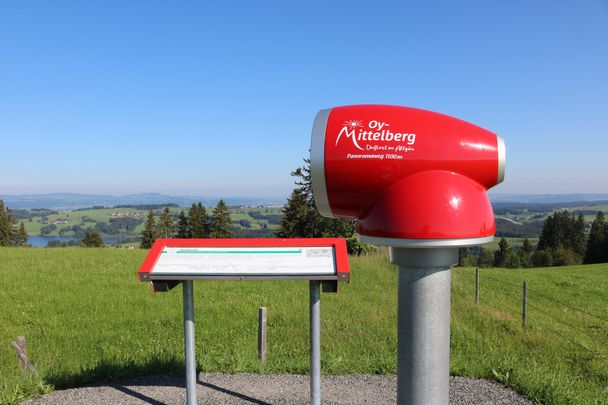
x: 76, y: 218
x: 86, y: 318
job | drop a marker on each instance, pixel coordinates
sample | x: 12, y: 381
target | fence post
x: 262, y: 333
x: 524, y: 306
x: 24, y: 361
x: 476, y: 285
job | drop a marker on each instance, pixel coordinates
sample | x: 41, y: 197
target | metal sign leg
x: 189, y: 342
x: 315, y: 342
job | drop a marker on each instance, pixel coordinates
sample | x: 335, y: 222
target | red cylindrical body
x: 405, y: 173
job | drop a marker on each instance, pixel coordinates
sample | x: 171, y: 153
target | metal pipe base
x: 189, y: 342
x: 315, y: 342
x: 423, y: 338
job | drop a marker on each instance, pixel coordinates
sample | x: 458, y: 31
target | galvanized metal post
x: 423, y: 337
x: 315, y: 342
x: 524, y: 308
x: 476, y: 285
x: 262, y: 333
x: 189, y: 342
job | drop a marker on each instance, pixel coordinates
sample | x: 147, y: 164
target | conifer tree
x: 605, y: 248
x: 596, y: 244
x: 525, y: 254
x: 578, y: 240
x: 485, y: 259
x: 198, y: 221
x: 563, y: 236
x: 7, y: 226
x: 5, y: 231
x: 502, y: 254
x: 165, y: 224
x: 182, y: 225
x: 220, y: 222
x: 194, y: 224
x: 527, y: 247
x: 512, y: 261
x: 301, y: 218
x: 555, y: 230
x: 149, y: 234
x: 548, y: 235
x: 293, y: 222
x: 21, y: 236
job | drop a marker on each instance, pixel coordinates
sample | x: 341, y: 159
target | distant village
x: 128, y: 214
x: 117, y: 214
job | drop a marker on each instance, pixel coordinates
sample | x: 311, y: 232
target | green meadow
x: 87, y: 218
x: 86, y: 318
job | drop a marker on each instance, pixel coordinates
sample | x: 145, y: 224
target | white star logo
x: 352, y: 124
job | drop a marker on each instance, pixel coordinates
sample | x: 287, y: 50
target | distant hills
x: 547, y: 198
x: 68, y: 201
x: 59, y: 201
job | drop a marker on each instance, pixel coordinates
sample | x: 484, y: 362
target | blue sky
x: 219, y: 98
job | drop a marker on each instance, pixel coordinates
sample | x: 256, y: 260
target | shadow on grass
x: 108, y: 371
x: 122, y: 377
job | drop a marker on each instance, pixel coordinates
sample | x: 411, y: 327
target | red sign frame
x: 338, y: 245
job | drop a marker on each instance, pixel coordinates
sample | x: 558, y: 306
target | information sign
x: 241, y: 259
x: 322, y: 261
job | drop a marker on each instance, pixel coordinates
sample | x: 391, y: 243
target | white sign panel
x: 244, y: 261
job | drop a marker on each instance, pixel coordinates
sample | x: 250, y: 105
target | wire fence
x: 543, y: 319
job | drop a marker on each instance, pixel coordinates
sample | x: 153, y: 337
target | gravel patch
x: 271, y: 389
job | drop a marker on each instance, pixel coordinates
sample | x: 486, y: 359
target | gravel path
x: 271, y: 389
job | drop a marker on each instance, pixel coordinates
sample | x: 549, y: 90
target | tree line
x: 11, y: 232
x: 197, y: 223
x: 563, y: 242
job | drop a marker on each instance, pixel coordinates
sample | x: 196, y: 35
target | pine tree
x: 512, y: 261
x: 527, y: 247
x: 198, y: 221
x: 220, y: 222
x: 293, y: 222
x: 301, y: 219
x: 5, y: 226
x: 542, y: 258
x: 596, y: 244
x: 502, y: 254
x: 182, y: 226
x: 307, y: 223
x: 485, y: 258
x: 314, y: 225
x: 165, y: 224
x: 194, y: 223
x: 149, y: 234
x: 21, y: 236
x: 578, y: 240
x: 554, y: 229
x: 605, y: 248
x: 8, y: 226
x: 91, y: 239
x: 563, y: 235
x: 525, y: 253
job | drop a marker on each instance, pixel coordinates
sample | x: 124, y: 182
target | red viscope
x: 411, y: 177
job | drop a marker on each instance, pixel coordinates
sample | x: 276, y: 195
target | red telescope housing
x: 412, y: 178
